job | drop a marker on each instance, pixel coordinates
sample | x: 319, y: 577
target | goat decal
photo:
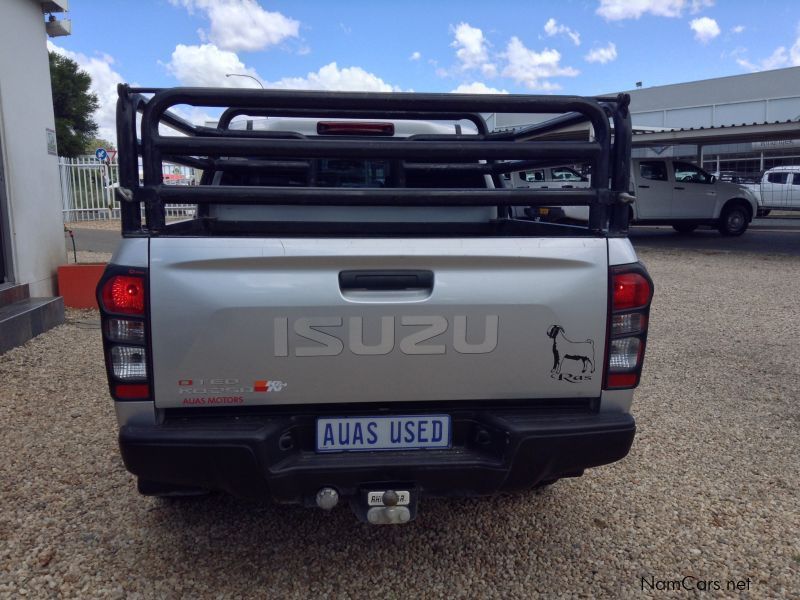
x: 572, y: 361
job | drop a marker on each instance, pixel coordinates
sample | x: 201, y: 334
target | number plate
x: 358, y: 434
x: 544, y: 211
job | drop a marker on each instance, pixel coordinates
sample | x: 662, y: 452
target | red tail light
x: 622, y: 380
x: 631, y: 293
x: 131, y: 391
x: 121, y: 297
x: 124, y: 294
x: 631, y: 290
x: 354, y: 128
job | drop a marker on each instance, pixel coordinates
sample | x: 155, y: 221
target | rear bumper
x: 273, y: 457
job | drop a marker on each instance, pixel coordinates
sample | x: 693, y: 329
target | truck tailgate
x: 244, y: 321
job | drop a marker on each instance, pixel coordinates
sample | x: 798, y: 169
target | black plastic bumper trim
x: 274, y: 457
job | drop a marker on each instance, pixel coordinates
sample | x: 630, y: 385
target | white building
x: 31, y: 228
x: 734, y: 108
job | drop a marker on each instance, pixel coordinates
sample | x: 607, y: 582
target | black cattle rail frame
x: 490, y: 153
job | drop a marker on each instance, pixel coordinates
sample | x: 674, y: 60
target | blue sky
x: 571, y: 47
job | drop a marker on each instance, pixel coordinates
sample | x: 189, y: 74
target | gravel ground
x: 85, y: 256
x: 709, y: 489
x: 108, y: 224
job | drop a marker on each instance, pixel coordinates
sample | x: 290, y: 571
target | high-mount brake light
x: 124, y: 294
x: 354, y: 128
x: 631, y: 293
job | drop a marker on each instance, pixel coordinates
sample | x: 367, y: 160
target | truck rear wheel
x: 684, y: 227
x: 734, y: 220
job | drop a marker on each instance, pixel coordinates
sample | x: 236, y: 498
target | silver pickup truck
x: 352, y: 314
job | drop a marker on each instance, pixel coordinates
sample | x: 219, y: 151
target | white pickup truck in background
x: 668, y: 192
x: 678, y: 193
x: 779, y: 189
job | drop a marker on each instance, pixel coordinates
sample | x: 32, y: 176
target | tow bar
x: 382, y: 507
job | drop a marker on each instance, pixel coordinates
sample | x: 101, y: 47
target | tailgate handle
x: 386, y: 280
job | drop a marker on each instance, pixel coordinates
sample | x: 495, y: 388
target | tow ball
x: 388, y: 507
x: 384, y: 507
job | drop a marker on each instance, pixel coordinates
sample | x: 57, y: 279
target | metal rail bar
x: 269, y: 195
x: 619, y: 214
x: 253, y: 164
x: 483, y: 168
x: 128, y: 158
x: 253, y: 147
x: 245, y: 133
x: 374, y: 148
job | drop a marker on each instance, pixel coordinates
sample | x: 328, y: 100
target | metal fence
x: 87, y: 188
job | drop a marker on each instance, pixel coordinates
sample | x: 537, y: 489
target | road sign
x: 101, y: 154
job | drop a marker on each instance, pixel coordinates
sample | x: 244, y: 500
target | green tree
x: 96, y: 143
x: 73, y: 105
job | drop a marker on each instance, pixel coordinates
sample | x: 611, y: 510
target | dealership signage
x: 775, y: 144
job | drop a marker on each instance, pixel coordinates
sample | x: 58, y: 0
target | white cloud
x: 705, y: 29
x: 415, y: 56
x: 331, y: 77
x: 695, y: 6
x: 242, y: 24
x: 489, y: 69
x: 472, y: 49
x: 552, y: 28
x: 207, y: 65
x: 602, y: 55
x: 617, y: 10
x: 738, y: 29
x: 533, y: 69
x: 776, y: 60
x: 780, y: 57
x: 477, y: 87
x: 104, y: 85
